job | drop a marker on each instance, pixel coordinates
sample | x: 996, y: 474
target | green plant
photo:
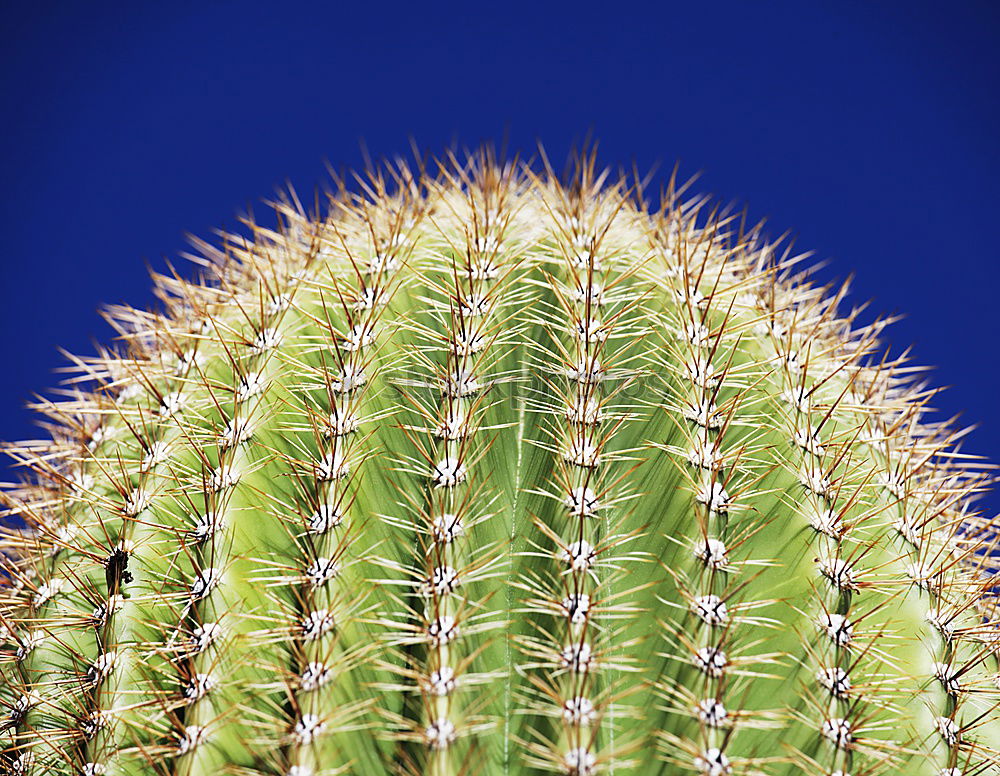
x: 481, y: 472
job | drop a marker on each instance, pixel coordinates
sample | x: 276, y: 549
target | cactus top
x: 490, y: 472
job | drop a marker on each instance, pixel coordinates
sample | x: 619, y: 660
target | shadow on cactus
x: 488, y: 471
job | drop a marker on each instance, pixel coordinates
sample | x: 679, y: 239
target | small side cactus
x: 486, y: 471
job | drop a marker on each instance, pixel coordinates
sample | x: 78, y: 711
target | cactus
x: 495, y: 471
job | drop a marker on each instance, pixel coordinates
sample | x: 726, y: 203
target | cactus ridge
x: 495, y: 471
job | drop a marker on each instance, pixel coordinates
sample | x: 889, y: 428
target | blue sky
x: 868, y: 129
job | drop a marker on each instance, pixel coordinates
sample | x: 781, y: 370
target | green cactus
x: 487, y: 471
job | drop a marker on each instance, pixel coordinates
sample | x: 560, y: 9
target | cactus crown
x: 486, y: 471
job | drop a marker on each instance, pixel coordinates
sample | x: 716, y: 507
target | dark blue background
x: 870, y: 129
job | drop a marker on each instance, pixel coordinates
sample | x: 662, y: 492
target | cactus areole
x: 494, y: 471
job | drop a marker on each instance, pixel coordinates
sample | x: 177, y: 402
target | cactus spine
x: 481, y: 472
